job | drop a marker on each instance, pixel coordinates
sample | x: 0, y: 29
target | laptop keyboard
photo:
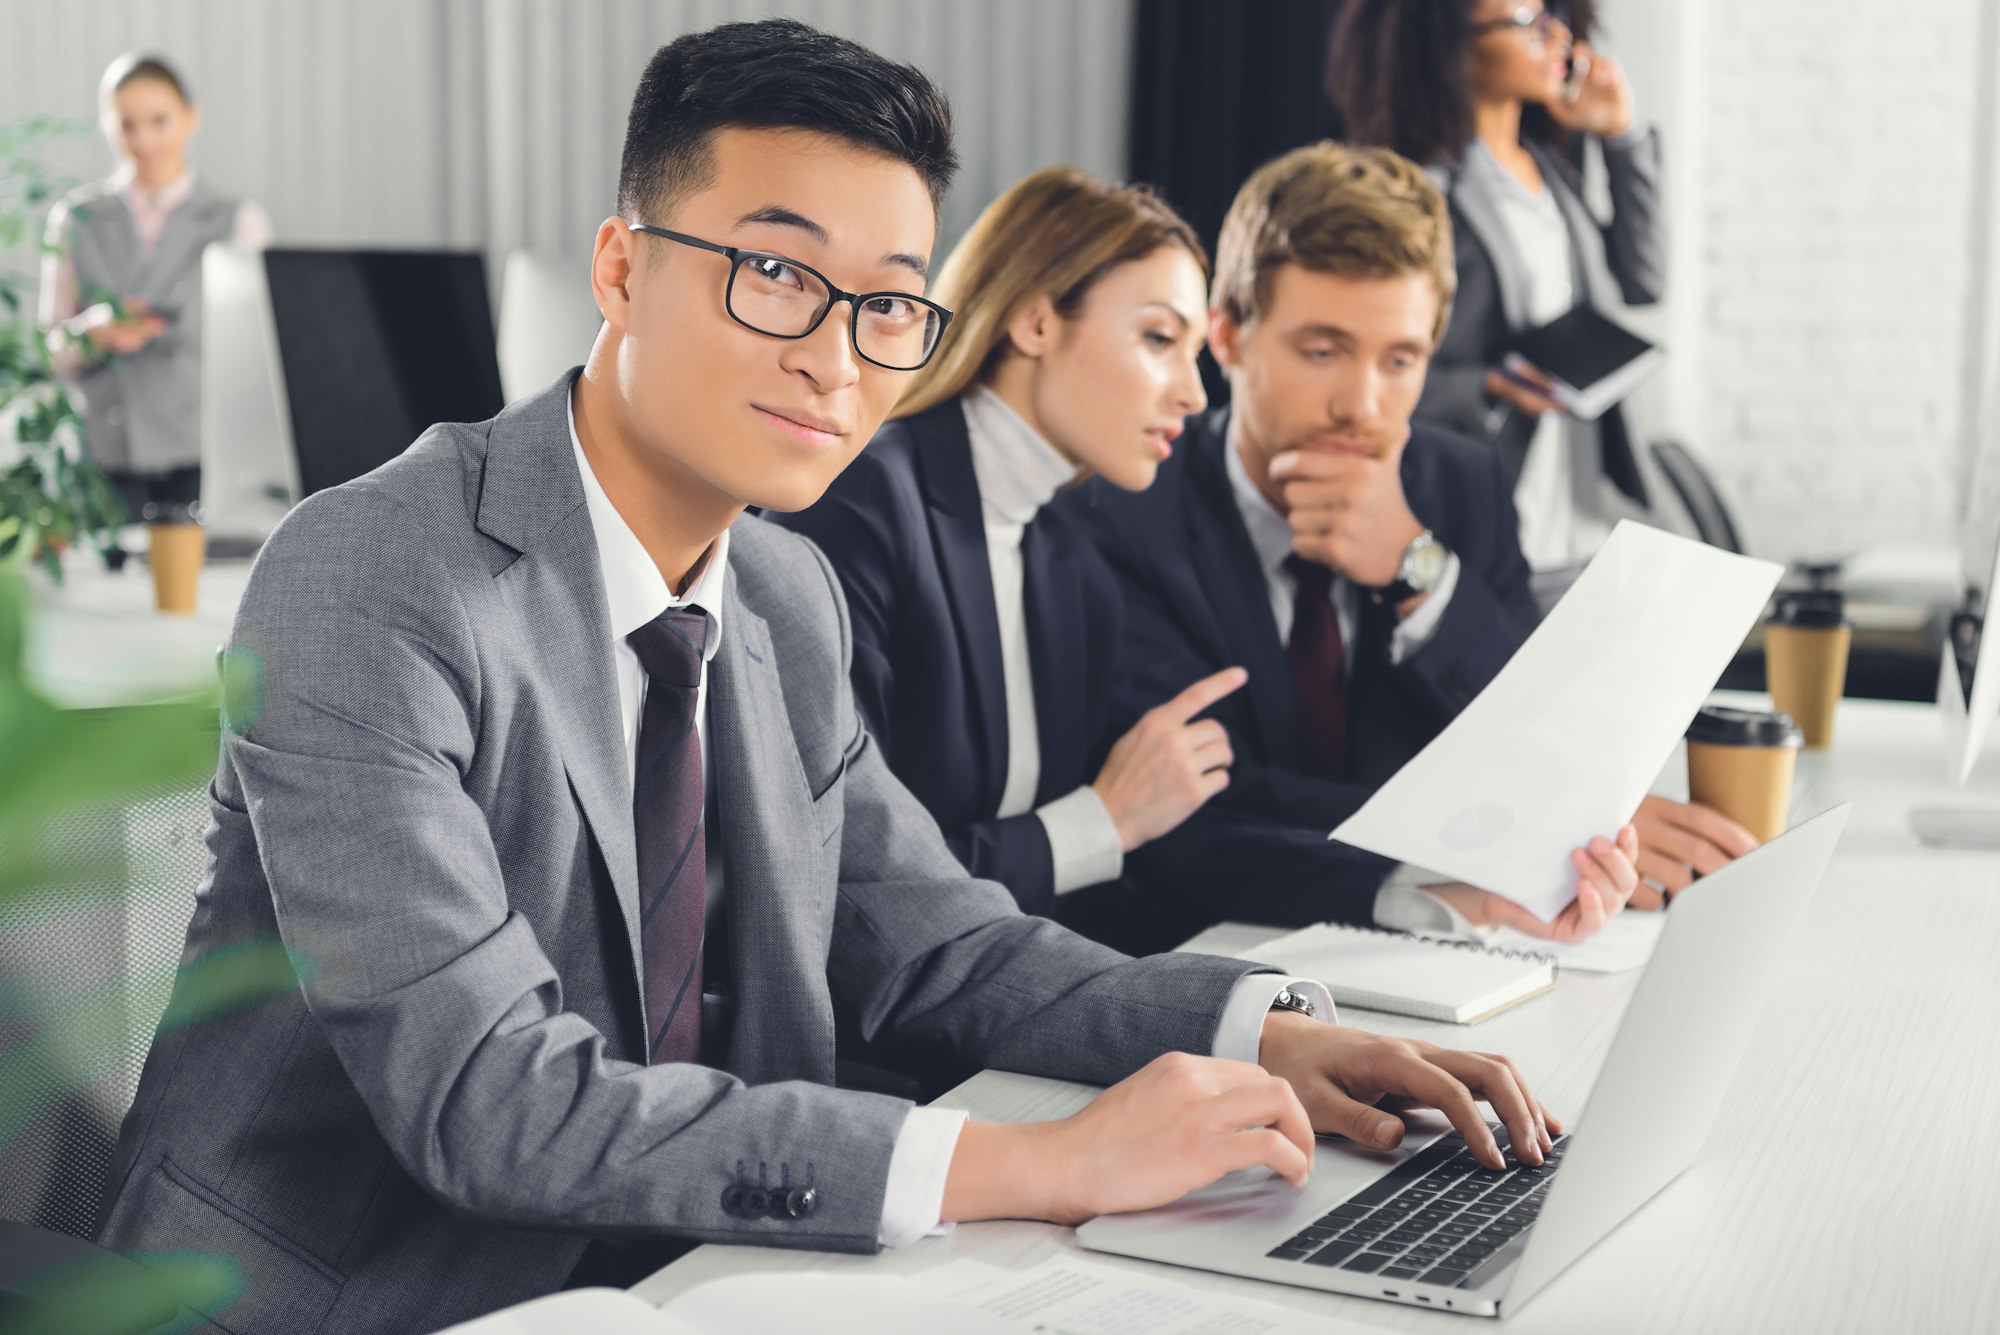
x: 1435, y: 1218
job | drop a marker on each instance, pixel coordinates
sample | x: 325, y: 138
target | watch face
x: 1425, y: 562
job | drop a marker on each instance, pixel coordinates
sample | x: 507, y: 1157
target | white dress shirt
x: 1400, y: 903
x: 1556, y: 532
x: 635, y: 593
x: 1018, y: 473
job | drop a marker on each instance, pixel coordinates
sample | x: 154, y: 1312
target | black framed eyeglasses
x: 1538, y: 25
x: 779, y: 297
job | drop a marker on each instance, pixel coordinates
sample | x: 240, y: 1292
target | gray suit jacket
x: 430, y: 805
x: 1616, y: 264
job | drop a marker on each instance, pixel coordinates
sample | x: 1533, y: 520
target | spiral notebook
x: 1427, y: 977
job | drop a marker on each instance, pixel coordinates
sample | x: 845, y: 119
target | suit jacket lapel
x: 958, y: 530
x: 531, y: 499
x: 1232, y: 578
x: 1054, y: 610
x: 783, y: 1025
x: 1482, y: 218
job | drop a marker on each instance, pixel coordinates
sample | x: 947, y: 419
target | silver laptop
x: 1428, y: 1226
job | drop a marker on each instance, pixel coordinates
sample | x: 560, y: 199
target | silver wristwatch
x: 1296, y: 1002
x: 1422, y: 568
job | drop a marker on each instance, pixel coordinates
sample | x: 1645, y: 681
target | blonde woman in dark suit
x: 121, y: 286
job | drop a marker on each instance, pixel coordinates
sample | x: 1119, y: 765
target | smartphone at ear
x: 1579, y: 70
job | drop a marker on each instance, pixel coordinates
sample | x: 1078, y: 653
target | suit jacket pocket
x: 280, y: 1287
x: 830, y: 804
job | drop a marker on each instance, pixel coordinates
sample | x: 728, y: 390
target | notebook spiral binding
x: 1461, y: 943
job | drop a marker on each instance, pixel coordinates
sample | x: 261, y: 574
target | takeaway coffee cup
x: 176, y: 548
x: 1740, y: 762
x: 1806, y: 639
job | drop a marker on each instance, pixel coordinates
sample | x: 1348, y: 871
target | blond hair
x: 1333, y: 208
x: 1053, y: 234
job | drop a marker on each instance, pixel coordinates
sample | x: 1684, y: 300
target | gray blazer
x: 1617, y: 264
x: 143, y: 412
x: 430, y: 805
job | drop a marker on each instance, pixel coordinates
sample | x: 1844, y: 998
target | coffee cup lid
x: 1720, y: 725
x: 1813, y: 608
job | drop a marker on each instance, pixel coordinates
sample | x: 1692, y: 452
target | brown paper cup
x: 176, y: 554
x: 1806, y: 670
x: 1752, y: 785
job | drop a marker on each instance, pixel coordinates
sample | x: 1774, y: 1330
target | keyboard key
x: 1400, y: 1272
x: 1343, y: 1213
x: 1448, y: 1276
x: 1456, y: 1229
x: 1411, y: 1196
x: 1434, y: 1215
x: 1486, y: 1208
x: 1404, y: 1237
x: 1368, y: 1263
x: 1427, y: 1255
x: 1511, y: 1188
x: 1287, y: 1252
x: 1333, y: 1253
x: 1314, y: 1233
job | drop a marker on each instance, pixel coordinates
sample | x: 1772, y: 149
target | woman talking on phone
x: 985, y: 625
x: 121, y: 287
x: 1495, y: 97
x: 1492, y: 96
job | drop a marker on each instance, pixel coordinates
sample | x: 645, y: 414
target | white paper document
x: 1562, y: 744
x: 1625, y: 944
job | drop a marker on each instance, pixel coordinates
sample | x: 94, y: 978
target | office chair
x: 99, y: 937
x: 1699, y: 494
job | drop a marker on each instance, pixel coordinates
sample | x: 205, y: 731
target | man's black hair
x: 773, y: 74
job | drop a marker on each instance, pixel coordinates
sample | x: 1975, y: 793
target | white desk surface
x: 95, y: 640
x: 1852, y: 1182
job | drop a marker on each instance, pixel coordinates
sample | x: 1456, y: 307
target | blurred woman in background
x: 121, y: 287
x: 986, y: 627
x: 1495, y: 97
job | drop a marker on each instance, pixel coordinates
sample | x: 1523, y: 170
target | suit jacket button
x: 801, y: 1201
x: 732, y: 1200
x: 756, y: 1202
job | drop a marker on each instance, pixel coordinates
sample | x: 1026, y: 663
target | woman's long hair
x: 1053, y: 234
x: 1397, y: 72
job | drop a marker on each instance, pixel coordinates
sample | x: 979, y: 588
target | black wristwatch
x: 1422, y: 568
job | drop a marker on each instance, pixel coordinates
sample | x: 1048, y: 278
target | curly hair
x: 1397, y: 72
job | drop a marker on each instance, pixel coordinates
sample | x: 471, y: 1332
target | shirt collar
x: 1018, y: 472
x: 1270, y: 535
x: 634, y: 590
x: 163, y: 200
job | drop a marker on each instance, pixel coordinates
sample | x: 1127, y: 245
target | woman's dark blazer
x: 904, y: 529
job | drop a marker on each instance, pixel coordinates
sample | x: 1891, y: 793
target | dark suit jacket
x: 1195, y: 602
x: 904, y: 530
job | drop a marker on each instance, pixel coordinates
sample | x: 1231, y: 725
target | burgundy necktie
x: 667, y: 796
x: 1319, y: 669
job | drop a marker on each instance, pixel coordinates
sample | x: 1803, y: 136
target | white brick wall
x: 1823, y: 151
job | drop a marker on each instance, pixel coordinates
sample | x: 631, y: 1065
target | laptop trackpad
x: 1252, y: 1205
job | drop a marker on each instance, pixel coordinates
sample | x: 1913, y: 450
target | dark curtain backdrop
x: 1218, y: 88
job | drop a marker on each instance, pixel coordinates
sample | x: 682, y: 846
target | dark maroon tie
x: 1319, y: 669
x: 667, y: 798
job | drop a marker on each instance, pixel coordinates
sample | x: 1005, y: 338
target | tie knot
x: 1312, y: 577
x: 672, y: 645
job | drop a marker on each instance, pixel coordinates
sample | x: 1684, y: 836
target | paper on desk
x: 1069, y: 1295
x: 1625, y: 944
x: 1563, y: 743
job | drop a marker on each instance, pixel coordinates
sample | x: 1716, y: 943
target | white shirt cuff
x: 1240, y: 1034
x: 918, y: 1167
x: 1083, y: 843
x: 1401, y: 905
x: 1414, y: 631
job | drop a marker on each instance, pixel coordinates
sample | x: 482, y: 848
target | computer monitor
x: 548, y: 319
x: 249, y: 476
x: 320, y: 365
x: 1969, y: 676
x: 375, y: 346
